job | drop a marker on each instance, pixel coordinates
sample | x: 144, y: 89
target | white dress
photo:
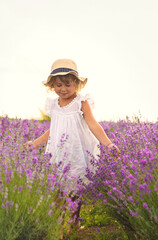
x: 70, y: 137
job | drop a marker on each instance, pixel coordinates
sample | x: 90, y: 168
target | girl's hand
x: 29, y: 144
x: 116, y: 150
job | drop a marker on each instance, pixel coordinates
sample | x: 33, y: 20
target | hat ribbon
x: 59, y: 70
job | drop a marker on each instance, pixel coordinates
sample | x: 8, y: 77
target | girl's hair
x: 66, y: 79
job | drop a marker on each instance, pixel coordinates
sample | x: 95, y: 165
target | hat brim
x: 82, y: 79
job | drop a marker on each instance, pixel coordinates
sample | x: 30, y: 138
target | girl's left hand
x: 116, y: 150
x: 28, y: 145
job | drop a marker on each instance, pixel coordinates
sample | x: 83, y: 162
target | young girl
x: 73, y: 128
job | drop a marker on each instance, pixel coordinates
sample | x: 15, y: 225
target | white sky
x: 113, y: 42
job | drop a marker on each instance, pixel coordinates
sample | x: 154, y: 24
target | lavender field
x: 124, y: 189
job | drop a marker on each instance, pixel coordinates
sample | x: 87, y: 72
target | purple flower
x: 133, y: 167
x: 29, y: 172
x: 148, y: 177
x: 130, y: 176
x: 130, y: 198
x: 50, y: 212
x: 109, y: 192
x: 11, y: 204
x: 66, y: 168
x: 97, y: 230
x: 100, y: 194
x: 143, y: 162
x: 128, y: 181
x: 133, y: 214
x: 145, y: 205
x: 104, y: 201
x: 35, y: 160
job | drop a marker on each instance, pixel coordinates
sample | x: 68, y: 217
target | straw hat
x: 64, y: 67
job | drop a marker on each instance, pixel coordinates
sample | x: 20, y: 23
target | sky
x: 114, y: 43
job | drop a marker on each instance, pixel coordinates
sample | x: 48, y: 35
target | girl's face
x: 64, y: 87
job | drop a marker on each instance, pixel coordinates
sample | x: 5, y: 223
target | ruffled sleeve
x: 88, y: 98
x: 48, y: 106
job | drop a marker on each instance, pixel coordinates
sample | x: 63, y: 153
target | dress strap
x: 48, y: 106
x: 88, y: 98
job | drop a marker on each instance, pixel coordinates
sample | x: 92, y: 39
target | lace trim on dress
x: 67, y: 104
x: 49, y: 105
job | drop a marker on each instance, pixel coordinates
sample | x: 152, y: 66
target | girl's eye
x: 59, y: 85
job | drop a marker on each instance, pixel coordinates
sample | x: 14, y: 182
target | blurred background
x: 114, y: 43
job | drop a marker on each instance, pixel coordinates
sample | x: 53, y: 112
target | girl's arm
x: 42, y: 139
x: 38, y: 141
x: 94, y: 126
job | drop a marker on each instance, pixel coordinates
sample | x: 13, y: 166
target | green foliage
x: 25, y: 213
x: 44, y: 116
x: 30, y: 211
x: 97, y: 224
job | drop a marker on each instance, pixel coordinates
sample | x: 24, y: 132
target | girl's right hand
x: 116, y: 150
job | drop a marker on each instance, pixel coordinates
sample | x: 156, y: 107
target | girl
x: 73, y: 128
